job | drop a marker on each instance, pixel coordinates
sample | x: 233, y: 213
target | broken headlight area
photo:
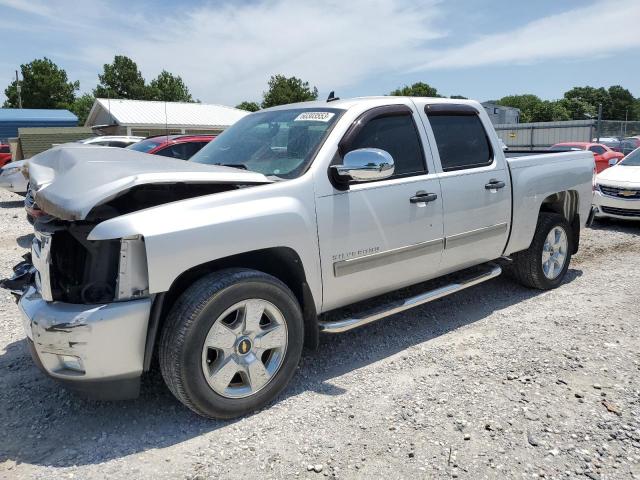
x: 69, y: 268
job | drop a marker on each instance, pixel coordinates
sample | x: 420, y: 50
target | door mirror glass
x: 365, y: 165
x: 613, y: 161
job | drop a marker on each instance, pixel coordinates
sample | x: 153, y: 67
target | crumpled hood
x: 70, y: 180
x: 620, y: 174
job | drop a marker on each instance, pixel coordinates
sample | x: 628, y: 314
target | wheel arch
x: 284, y: 263
x: 565, y: 203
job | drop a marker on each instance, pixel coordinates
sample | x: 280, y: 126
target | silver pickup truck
x: 222, y: 268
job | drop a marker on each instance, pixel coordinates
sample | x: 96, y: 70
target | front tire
x: 545, y: 263
x: 231, y: 343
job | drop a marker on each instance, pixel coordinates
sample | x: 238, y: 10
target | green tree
x: 419, y: 89
x: 283, y: 90
x: 248, y: 106
x: 121, y: 79
x: 622, y: 104
x: 579, y: 109
x: 44, y: 85
x: 81, y: 106
x: 592, y: 96
x: 527, y: 103
x: 169, y: 88
x: 534, y: 109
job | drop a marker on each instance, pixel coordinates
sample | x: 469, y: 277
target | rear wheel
x: 231, y: 343
x: 545, y: 263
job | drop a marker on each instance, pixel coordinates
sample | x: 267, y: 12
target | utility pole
x: 19, y: 89
x: 599, y: 128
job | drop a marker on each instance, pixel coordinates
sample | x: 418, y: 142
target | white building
x: 147, y: 118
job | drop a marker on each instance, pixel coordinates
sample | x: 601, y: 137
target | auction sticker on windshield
x: 314, y: 117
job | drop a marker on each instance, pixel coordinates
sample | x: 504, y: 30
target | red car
x: 5, y: 154
x: 174, y: 146
x: 601, y: 153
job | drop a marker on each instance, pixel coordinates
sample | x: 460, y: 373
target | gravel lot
x: 495, y: 382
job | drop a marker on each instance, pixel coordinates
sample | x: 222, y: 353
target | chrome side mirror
x: 612, y: 162
x: 364, y: 165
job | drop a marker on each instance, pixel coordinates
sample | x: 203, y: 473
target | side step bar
x: 340, y: 326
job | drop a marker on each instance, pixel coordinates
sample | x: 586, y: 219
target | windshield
x: 566, y: 148
x: 632, y: 160
x: 145, y: 145
x: 276, y: 143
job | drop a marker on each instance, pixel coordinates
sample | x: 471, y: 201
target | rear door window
x: 597, y: 149
x: 461, y: 140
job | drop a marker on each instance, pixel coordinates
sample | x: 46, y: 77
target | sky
x: 226, y: 50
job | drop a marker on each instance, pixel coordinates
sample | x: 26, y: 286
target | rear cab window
x: 461, y: 138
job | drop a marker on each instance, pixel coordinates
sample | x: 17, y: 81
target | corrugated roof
x: 151, y: 113
x: 36, y: 115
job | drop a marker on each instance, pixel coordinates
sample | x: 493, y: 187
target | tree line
x: 46, y: 85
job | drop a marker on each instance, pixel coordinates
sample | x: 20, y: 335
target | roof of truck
x: 347, y: 103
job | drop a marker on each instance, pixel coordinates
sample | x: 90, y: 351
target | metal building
x: 499, y: 114
x: 541, y: 135
x: 146, y: 118
x: 11, y: 119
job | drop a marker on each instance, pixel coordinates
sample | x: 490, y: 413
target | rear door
x: 373, y: 237
x: 475, y: 184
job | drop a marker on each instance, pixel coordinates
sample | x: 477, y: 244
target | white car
x: 617, y: 193
x: 13, y: 177
x: 120, y: 141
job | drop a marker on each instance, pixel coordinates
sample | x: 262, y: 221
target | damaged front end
x: 86, y: 303
x: 85, y: 307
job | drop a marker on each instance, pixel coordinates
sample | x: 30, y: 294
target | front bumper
x: 614, y: 207
x: 14, y: 183
x: 94, y: 348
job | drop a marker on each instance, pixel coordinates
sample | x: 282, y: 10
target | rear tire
x: 545, y: 263
x: 215, y: 354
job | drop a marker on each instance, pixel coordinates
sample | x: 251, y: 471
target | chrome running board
x: 364, y: 318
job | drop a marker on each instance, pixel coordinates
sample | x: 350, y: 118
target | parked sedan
x: 617, y: 193
x: 174, y: 146
x: 121, y: 141
x: 601, y: 153
x: 13, y: 178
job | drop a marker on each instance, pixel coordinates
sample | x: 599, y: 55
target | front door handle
x: 494, y: 184
x: 423, y: 197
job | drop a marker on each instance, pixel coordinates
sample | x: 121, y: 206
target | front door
x: 373, y: 237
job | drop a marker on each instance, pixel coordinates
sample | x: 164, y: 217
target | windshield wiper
x: 241, y: 166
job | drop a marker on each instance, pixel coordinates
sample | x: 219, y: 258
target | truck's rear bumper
x: 98, y: 349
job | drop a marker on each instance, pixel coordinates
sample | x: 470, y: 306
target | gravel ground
x: 495, y: 382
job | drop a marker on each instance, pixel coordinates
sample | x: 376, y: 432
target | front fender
x: 181, y: 235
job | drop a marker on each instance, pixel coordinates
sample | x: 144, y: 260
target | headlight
x: 10, y: 171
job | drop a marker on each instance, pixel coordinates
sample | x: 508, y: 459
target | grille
x: 620, y: 192
x: 624, y: 212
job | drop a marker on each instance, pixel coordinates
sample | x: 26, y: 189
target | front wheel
x: 231, y: 342
x: 545, y: 263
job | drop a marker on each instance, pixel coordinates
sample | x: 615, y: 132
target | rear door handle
x: 494, y: 184
x: 423, y: 197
